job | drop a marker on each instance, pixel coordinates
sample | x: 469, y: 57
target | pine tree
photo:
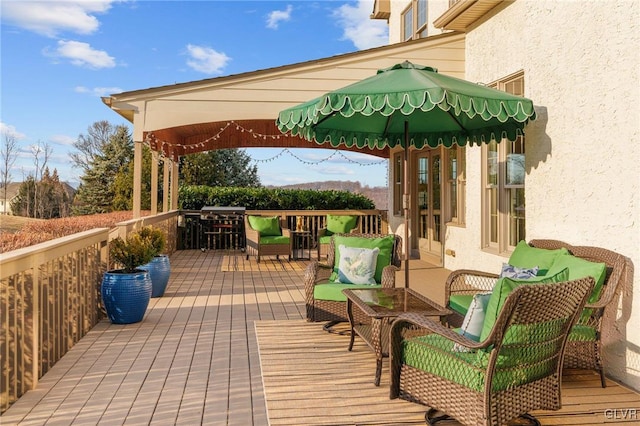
x: 97, y: 191
x: 224, y: 167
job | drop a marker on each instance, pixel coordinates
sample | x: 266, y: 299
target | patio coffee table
x: 383, y: 305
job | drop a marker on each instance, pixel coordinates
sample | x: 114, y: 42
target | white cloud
x: 335, y: 170
x: 98, y: 91
x: 83, y: 55
x: 62, y: 140
x: 49, y: 18
x: 359, y: 28
x: 9, y: 130
x: 206, y: 60
x: 274, y: 18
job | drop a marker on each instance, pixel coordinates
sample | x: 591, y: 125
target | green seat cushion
x: 504, y: 286
x: 333, y: 291
x: 525, y: 256
x: 515, y: 365
x: 266, y: 225
x: 460, y: 303
x: 581, y: 268
x: 277, y: 239
x: 385, y: 244
x: 582, y: 333
x: 325, y: 239
x: 340, y: 224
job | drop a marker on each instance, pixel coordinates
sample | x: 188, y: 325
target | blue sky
x: 59, y: 57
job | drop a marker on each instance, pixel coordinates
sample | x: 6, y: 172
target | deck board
x: 195, y: 359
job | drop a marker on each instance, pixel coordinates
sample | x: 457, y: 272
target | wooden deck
x: 195, y: 359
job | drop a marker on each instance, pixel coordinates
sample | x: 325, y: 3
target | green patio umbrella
x: 408, y: 105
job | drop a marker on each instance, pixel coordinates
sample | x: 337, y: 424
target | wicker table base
x: 383, y: 305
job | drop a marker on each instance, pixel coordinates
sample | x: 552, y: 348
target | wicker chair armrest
x: 286, y: 232
x: 412, y: 324
x: 389, y: 276
x: 314, y: 273
x: 252, y: 234
x: 467, y: 281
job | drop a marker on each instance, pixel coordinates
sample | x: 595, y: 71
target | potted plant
x: 126, y: 291
x: 159, y: 267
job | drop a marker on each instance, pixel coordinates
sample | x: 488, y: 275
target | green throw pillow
x: 340, y: 224
x: 581, y: 268
x: 268, y: 226
x: 525, y: 256
x: 504, y: 286
x: 385, y: 244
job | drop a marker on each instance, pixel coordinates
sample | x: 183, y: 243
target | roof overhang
x: 240, y: 110
x: 464, y: 13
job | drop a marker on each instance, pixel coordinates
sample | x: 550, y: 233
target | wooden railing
x: 191, y: 234
x: 50, y: 292
x: 50, y: 298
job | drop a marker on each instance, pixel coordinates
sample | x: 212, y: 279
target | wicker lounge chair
x: 584, y: 350
x: 515, y: 370
x: 338, y: 224
x: 274, y: 242
x: 319, y: 273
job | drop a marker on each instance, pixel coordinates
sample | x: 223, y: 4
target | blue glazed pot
x: 159, y: 271
x: 126, y: 295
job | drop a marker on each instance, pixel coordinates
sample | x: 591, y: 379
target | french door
x: 428, y: 202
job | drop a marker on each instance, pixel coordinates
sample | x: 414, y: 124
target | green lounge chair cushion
x: 504, y: 286
x: 340, y: 224
x: 581, y: 268
x: 517, y: 364
x: 333, y: 291
x: 325, y: 239
x: 266, y: 225
x: 385, y: 244
x: 276, y: 239
x: 582, y: 333
x: 525, y: 256
x: 460, y: 303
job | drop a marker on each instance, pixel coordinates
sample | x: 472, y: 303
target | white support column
x: 174, y: 186
x: 166, y: 163
x: 154, y: 183
x: 137, y: 179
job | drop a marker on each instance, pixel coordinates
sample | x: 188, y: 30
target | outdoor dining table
x: 383, y: 306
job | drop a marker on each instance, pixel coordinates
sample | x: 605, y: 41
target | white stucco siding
x: 581, y: 67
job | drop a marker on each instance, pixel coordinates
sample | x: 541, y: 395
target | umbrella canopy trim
x: 440, y: 110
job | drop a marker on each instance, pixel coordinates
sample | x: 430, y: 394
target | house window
x: 455, y: 184
x: 398, y: 184
x: 414, y: 20
x: 503, y: 197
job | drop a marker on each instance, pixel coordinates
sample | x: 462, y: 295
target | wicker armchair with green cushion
x: 335, y: 224
x: 323, y: 284
x: 267, y: 236
x: 512, y: 370
x: 609, y: 270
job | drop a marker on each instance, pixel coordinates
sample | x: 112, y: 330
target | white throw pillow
x: 474, y: 319
x: 514, y: 272
x: 357, y: 265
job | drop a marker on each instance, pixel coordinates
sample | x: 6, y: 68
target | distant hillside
x: 377, y: 194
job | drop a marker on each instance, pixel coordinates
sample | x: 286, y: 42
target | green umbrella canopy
x: 438, y: 109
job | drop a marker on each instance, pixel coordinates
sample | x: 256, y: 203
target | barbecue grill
x: 222, y: 227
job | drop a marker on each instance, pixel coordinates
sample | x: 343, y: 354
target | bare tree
x: 91, y: 145
x: 8, y: 154
x: 41, y: 152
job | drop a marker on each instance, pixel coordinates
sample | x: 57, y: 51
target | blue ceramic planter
x: 159, y: 271
x: 126, y: 295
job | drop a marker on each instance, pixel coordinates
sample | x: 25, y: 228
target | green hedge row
x: 196, y: 197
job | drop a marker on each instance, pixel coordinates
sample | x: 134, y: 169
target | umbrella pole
x: 405, y: 205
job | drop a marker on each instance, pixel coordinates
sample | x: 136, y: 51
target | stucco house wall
x: 581, y: 67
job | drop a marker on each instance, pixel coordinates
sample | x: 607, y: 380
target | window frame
x: 418, y: 29
x: 502, y: 228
